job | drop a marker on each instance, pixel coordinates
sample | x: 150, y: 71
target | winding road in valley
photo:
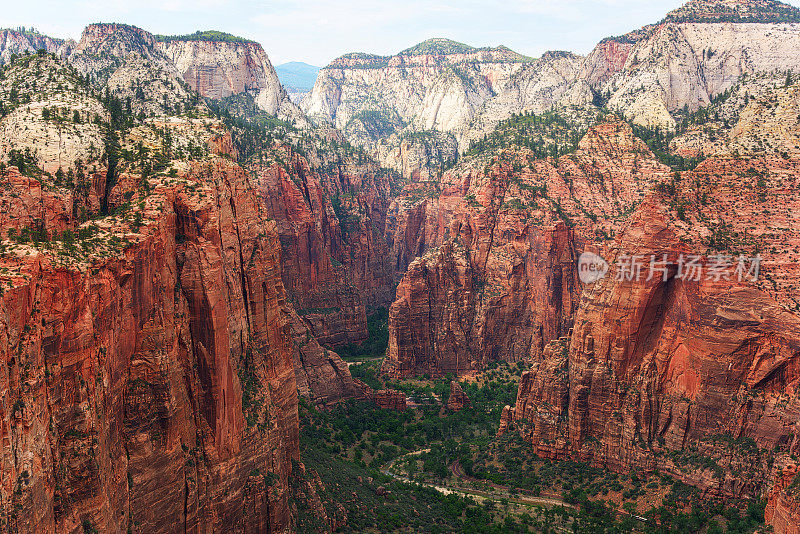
x: 494, y: 492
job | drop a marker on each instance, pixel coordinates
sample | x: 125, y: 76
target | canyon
x: 185, y: 253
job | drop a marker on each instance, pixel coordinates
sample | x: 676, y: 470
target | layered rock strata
x: 218, y: 69
x: 335, y: 259
x: 148, y: 380
x: 660, y: 372
x: 497, y: 278
x: 783, y: 510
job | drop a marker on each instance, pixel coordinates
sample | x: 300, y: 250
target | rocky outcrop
x: 217, y: 69
x: 221, y: 68
x: 147, y: 373
x: 125, y: 59
x: 540, y: 85
x: 607, y: 59
x: 411, y: 83
x: 457, y: 399
x: 783, y: 509
x: 389, y: 399
x: 17, y: 42
x: 497, y: 279
x: 423, y: 337
x: 322, y: 376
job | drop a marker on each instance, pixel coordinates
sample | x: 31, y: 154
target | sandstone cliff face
x: 783, y: 510
x: 218, y: 69
x: 697, y: 52
x: 538, y: 86
x: 322, y: 376
x: 435, y: 86
x: 607, y: 59
x: 713, y: 55
x: 657, y: 371
x: 497, y: 278
x: 404, y: 82
x: 18, y: 43
x: 126, y: 58
x: 147, y: 379
x: 330, y: 217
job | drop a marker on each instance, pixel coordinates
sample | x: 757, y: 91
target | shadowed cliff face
x: 330, y: 220
x: 497, y: 279
x: 152, y: 389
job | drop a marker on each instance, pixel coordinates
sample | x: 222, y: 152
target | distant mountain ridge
x: 419, y: 107
x: 463, y: 91
x: 297, y: 76
x: 437, y: 47
x: 216, y: 64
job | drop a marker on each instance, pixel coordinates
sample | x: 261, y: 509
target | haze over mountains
x: 297, y: 77
x: 192, y: 239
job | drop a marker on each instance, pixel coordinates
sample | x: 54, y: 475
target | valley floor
x: 431, y: 469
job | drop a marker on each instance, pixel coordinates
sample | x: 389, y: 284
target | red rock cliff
x: 498, y: 277
x: 659, y: 372
x: 151, y: 389
x: 335, y: 261
x: 783, y: 509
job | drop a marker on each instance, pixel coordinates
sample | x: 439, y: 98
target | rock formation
x: 150, y: 388
x: 658, y: 366
x: 458, y: 399
x: 161, y: 306
x: 437, y: 86
x: 122, y: 56
x: 146, y: 341
x: 783, y: 510
x: 58, y: 122
x: 497, y: 279
x: 426, y: 98
x: 695, y: 378
x: 330, y: 215
x: 18, y: 42
x: 710, y: 43
x: 221, y: 68
x: 124, y: 59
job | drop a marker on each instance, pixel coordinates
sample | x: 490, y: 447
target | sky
x: 318, y: 31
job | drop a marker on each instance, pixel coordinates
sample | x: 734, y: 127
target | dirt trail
x: 496, y: 493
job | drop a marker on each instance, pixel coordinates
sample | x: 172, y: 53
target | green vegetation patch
x: 208, y: 35
x: 549, y: 134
